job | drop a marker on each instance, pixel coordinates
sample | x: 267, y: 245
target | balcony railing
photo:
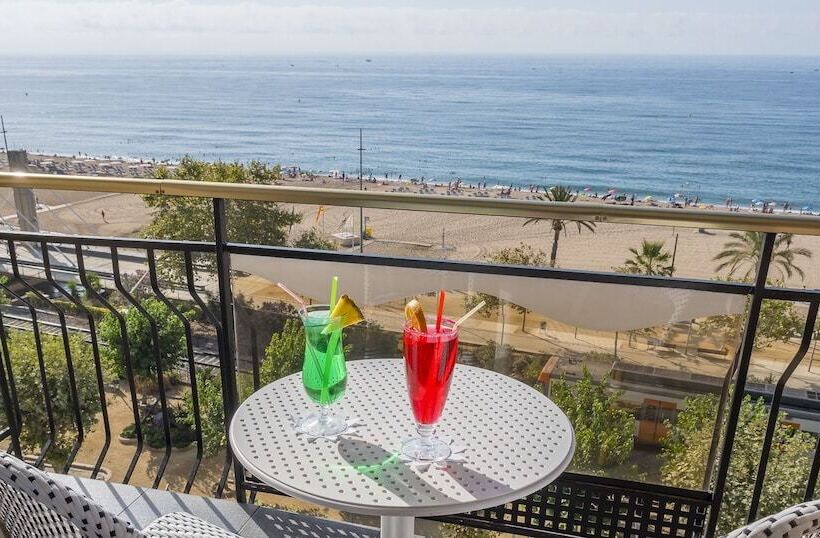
x: 575, y: 505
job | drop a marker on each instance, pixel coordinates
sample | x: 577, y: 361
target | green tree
x: 527, y: 367
x: 283, y: 356
x: 267, y: 318
x: 211, y: 411
x: 686, y: 450
x: 603, y: 430
x: 4, y: 299
x: 312, y: 239
x: 369, y: 338
x: 23, y: 356
x: 523, y: 254
x: 779, y: 321
x: 486, y: 355
x: 560, y: 194
x: 742, y: 254
x: 96, y: 282
x: 650, y: 260
x: 284, y: 353
x: 172, y: 344
x: 74, y: 288
x: 191, y: 218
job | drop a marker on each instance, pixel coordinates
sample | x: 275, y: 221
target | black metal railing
x: 575, y: 505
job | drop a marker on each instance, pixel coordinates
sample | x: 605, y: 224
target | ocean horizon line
x: 393, y: 54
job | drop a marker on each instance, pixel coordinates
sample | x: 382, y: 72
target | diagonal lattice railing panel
x: 575, y: 506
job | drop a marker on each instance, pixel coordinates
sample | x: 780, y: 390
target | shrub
x: 172, y: 346
x: 25, y: 365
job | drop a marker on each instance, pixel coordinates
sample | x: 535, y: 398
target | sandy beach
x: 402, y: 233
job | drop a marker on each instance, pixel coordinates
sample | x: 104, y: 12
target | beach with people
x: 427, y: 234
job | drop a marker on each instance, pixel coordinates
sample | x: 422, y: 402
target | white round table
x: 517, y: 441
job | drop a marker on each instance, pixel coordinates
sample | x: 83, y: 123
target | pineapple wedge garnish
x: 344, y: 314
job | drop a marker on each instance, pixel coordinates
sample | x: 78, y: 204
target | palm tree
x: 651, y: 260
x: 560, y: 194
x: 744, y: 249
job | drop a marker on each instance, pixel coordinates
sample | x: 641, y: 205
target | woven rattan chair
x: 32, y: 505
x: 802, y: 520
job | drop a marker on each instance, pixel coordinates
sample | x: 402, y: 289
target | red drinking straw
x: 440, y: 311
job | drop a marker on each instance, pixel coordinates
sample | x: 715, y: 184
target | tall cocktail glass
x: 429, y: 359
x: 324, y: 373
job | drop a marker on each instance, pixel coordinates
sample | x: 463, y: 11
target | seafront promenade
x: 427, y: 235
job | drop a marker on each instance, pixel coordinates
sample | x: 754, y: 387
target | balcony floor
x: 141, y: 506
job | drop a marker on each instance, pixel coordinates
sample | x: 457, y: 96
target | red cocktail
x: 429, y: 359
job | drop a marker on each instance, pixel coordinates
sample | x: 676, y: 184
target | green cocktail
x: 324, y: 373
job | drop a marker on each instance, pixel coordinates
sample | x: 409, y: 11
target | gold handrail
x: 688, y: 218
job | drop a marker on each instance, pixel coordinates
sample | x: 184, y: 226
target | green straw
x: 332, y: 344
x: 334, y: 337
x: 334, y: 286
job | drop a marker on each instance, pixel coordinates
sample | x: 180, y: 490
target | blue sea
x: 705, y: 126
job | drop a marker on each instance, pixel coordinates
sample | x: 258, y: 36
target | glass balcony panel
x: 652, y: 348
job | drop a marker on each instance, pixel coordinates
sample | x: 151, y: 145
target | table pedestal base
x: 397, y: 527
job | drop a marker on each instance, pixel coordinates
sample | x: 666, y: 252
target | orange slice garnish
x: 415, y: 315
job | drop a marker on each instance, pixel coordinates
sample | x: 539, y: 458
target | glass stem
x: 324, y: 413
x: 426, y: 432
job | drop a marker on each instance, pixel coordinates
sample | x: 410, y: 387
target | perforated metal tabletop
x: 517, y: 441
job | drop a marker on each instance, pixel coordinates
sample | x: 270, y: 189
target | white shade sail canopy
x: 589, y: 305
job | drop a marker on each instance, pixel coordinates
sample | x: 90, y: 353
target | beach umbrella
x: 757, y: 202
x: 586, y: 189
x: 648, y: 198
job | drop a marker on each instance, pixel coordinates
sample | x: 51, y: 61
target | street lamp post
x: 361, y: 187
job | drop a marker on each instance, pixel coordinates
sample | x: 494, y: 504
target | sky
x: 270, y: 27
